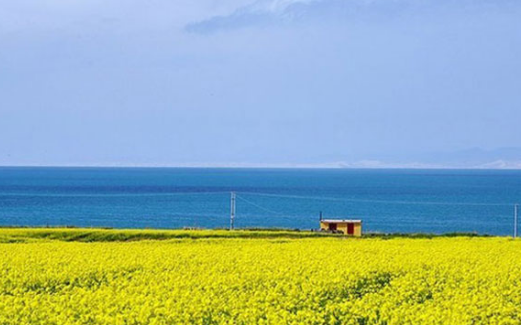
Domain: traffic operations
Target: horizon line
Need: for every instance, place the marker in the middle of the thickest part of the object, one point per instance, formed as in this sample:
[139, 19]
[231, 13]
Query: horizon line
[266, 166]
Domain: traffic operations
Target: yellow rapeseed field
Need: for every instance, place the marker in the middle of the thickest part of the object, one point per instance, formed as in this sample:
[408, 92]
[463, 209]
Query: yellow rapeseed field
[261, 281]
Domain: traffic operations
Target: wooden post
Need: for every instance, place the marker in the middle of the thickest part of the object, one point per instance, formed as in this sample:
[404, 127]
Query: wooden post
[232, 209]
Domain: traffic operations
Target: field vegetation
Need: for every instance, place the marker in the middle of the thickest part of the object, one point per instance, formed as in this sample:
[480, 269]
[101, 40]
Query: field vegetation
[89, 276]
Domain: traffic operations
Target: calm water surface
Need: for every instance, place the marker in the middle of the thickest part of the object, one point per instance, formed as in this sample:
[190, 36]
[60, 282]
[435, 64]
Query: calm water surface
[386, 200]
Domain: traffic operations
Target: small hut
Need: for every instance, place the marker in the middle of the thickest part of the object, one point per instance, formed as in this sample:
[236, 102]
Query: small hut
[347, 227]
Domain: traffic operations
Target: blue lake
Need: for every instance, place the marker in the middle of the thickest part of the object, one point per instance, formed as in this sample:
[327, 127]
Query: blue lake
[435, 201]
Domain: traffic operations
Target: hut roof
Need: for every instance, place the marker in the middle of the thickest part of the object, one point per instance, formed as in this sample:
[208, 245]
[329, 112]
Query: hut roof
[340, 221]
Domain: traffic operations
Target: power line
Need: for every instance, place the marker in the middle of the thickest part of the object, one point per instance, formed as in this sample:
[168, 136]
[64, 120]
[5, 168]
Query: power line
[318, 198]
[324, 198]
[111, 194]
[283, 215]
[258, 206]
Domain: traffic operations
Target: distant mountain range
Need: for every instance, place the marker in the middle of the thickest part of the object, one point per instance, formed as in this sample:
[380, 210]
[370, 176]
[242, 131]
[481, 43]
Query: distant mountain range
[502, 158]
[474, 158]
[265, 12]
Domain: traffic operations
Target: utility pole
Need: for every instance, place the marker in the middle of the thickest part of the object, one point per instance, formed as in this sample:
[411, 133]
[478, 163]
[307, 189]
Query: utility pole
[516, 208]
[232, 209]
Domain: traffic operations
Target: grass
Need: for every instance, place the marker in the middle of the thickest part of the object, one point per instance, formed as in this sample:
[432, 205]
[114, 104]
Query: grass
[421, 235]
[16, 235]
[8, 235]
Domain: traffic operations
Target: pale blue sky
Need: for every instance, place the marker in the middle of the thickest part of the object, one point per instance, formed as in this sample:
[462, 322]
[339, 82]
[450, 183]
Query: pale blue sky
[288, 82]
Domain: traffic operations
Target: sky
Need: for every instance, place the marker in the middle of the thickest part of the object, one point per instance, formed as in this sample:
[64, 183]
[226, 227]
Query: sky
[331, 83]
